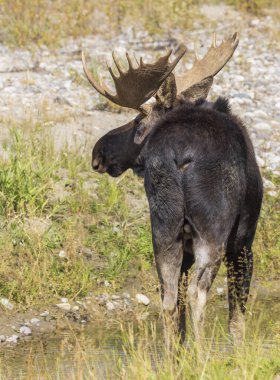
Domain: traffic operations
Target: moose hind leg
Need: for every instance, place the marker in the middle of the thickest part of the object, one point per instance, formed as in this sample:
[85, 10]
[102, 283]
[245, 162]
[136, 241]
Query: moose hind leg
[239, 273]
[207, 263]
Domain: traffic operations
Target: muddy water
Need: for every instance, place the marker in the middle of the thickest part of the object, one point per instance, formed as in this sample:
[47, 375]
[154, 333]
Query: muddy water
[98, 346]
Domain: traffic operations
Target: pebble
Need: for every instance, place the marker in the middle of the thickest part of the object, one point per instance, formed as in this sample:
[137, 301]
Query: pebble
[12, 339]
[272, 193]
[254, 22]
[126, 295]
[64, 300]
[115, 297]
[35, 321]
[110, 306]
[260, 161]
[6, 303]
[75, 308]
[62, 254]
[141, 298]
[2, 338]
[25, 331]
[45, 314]
[220, 291]
[262, 126]
[268, 184]
[64, 306]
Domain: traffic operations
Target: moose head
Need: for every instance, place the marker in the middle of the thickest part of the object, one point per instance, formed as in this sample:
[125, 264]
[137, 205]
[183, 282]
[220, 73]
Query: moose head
[118, 150]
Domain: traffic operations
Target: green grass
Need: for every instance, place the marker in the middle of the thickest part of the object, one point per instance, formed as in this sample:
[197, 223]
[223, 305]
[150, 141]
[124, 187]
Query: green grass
[41, 22]
[89, 211]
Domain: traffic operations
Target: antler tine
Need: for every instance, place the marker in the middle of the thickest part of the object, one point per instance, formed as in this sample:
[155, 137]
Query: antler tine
[213, 61]
[102, 89]
[136, 85]
[116, 63]
[214, 40]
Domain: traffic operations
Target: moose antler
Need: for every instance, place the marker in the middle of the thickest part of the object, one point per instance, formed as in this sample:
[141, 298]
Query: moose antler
[214, 60]
[135, 86]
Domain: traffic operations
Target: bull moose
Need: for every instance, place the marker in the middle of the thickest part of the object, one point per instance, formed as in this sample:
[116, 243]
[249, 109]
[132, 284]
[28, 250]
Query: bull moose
[200, 173]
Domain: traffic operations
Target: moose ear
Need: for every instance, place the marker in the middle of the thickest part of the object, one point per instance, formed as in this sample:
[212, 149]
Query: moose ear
[197, 91]
[143, 127]
[167, 92]
[141, 133]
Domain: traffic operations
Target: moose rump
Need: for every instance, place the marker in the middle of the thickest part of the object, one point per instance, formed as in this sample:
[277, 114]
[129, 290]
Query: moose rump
[204, 204]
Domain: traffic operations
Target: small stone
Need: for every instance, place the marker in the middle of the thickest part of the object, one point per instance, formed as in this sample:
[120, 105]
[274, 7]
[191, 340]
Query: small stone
[45, 314]
[12, 339]
[62, 254]
[64, 306]
[260, 161]
[110, 306]
[64, 300]
[268, 184]
[35, 321]
[6, 303]
[272, 193]
[2, 338]
[220, 291]
[127, 302]
[141, 298]
[75, 308]
[106, 283]
[126, 295]
[262, 126]
[115, 297]
[254, 22]
[25, 331]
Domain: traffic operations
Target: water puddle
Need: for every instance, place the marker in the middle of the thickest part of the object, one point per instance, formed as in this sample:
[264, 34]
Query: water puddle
[100, 346]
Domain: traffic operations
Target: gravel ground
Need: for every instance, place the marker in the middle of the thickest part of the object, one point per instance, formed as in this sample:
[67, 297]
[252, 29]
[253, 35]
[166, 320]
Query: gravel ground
[44, 83]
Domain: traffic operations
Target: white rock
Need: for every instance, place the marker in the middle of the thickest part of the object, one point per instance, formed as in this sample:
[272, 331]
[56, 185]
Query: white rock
[141, 298]
[75, 308]
[254, 22]
[12, 339]
[115, 297]
[64, 306]
[106, 283]
[272, 193]
[62, 254]
[220, 291]
[45, 313]
[64, 300]
[260, 113]
[263, 126]
[126, 295]
[110, 306]
[25, 331]
[2, 338]
[260, 161]
[35, 321]
[268, 184]
[6, 303]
